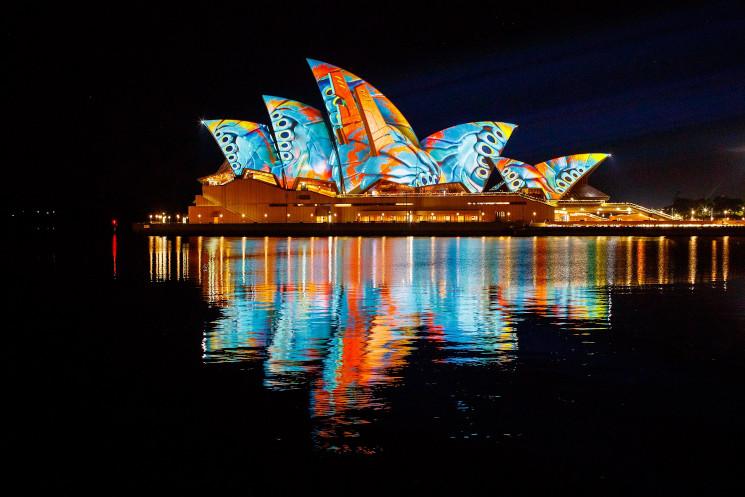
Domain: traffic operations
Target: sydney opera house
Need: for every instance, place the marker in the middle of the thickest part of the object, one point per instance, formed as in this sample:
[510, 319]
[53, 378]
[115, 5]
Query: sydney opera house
[361, 161]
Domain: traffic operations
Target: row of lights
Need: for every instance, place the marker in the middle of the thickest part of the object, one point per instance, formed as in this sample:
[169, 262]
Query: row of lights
[710, 211]
[166, 218]
[163, 218]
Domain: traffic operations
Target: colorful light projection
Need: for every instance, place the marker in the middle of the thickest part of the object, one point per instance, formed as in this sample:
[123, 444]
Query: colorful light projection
[303, 141]
[374, 140]
[555, 177]
[391, 115]
[246, 145]
[466, 152]
[518, 175]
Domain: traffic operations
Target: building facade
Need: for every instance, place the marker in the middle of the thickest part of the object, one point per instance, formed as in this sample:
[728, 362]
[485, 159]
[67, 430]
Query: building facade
[253, 201]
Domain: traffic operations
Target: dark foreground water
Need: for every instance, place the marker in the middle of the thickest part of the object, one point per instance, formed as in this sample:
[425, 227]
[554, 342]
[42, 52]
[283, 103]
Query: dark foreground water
[611, 365]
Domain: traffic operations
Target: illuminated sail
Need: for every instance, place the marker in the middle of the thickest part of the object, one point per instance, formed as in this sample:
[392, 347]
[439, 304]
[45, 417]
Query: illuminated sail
[555, 177]
[563, 172]
[303, 142]
[466, 152]
[391, 115]
[518, 175]
[246, 145]
[374, 141]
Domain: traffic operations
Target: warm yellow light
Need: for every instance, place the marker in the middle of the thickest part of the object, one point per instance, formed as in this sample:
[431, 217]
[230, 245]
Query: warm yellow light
[243, 215]
[265, 214]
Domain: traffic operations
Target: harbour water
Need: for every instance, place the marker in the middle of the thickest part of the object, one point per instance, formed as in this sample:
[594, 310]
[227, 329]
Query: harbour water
[521, 365]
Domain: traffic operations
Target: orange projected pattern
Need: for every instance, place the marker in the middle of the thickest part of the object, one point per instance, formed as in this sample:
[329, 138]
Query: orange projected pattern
[372, 145]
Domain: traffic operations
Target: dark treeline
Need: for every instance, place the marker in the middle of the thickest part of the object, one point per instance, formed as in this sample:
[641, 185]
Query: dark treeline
[715, 207]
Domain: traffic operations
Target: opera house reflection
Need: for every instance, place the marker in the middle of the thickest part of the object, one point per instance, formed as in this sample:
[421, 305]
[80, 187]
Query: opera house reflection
[343, 317]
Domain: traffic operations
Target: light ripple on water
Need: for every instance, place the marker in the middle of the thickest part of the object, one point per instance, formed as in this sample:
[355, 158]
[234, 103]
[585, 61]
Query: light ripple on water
[346, 318]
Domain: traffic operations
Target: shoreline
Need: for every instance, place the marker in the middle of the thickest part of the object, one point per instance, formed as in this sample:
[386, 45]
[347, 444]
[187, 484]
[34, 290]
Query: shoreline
[425, 229]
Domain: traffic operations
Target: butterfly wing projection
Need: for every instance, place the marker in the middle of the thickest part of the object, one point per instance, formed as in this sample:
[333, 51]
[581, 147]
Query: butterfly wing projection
[518, 175]
[246, 145]
[555, 177]
[346, 125]
[371, 138]
[391, 115]
[303, 142]
[466, 152]
[563, 172]
[402, 162]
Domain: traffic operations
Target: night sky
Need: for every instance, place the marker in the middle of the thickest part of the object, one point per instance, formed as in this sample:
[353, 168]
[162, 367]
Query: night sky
[104, 109]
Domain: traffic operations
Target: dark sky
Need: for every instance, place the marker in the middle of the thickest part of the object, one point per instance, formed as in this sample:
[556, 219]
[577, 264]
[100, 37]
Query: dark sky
[104, 106]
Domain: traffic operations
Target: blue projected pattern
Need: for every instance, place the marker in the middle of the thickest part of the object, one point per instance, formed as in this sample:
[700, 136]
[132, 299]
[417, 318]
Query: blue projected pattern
[246, 145]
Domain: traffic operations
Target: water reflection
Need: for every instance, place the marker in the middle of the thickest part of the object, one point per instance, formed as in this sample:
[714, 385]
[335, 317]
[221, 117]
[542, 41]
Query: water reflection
[167, 258]
[344, 317]
[113, 254]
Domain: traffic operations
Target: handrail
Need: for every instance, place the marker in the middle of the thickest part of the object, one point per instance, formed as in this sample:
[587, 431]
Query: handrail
[610, 205]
